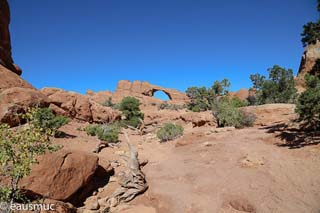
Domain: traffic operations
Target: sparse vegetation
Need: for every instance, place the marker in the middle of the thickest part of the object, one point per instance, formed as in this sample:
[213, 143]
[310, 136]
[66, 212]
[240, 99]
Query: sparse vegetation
[19, 148]
[44, 119]
[169, 132]
[109, 103]
[202, 98]
[279, 88]
[105, 132]
[131, 110]
[308, 106]
[166, 105]
[227, 113]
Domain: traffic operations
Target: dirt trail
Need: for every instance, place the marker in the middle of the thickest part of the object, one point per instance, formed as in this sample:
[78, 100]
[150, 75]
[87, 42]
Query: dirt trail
[234, 171]
[242, 170]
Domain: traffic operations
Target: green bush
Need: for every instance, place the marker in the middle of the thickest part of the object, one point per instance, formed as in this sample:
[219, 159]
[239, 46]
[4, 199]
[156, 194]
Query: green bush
[92, 129]
[169, 132]
[237, 102]
[308, 106]
[279, 88]
[45, 119]
[202, 98]
[19, 148]
[131, 110]
[227, 113]
[105, 132]
[311, 33]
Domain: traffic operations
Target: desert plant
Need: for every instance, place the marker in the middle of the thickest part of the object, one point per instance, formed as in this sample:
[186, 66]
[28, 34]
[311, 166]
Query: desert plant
[19, 148]
[109, 103]
[202, 98]
[247, 119]
[169, 132]
[92, 129]
[105, 132]
[166, 105]
[237, 102]
[44, 119]
[131, 110]
[279, 88]
[308, 106]
[225, 113]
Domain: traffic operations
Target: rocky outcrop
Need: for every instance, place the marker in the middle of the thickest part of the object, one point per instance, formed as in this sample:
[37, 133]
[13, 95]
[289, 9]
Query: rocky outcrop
[308, 60]
[270, 114]
[79, 106]
[61, 175]
[16, 100]
[99, 97]
[242, 94]
[145, 91]
[9, 79]
[5, 42]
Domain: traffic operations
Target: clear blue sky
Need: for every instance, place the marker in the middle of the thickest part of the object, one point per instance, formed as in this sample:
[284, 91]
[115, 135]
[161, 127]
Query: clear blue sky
[92, 44]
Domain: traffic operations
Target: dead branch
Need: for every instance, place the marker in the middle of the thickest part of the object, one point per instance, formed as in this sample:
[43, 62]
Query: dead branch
[132, 182]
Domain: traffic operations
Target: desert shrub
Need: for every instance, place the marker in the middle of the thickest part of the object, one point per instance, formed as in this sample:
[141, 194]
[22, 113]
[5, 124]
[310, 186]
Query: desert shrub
[247, 119]
[308, 106]
[19, 149]
[131, 110]
[92, 129]
[279, 88]
[225, 113]
[105, 132]
[169, 132]
[202, 98]
[44, 119]
[109, 133]
[237, 102]
[166, 105]
[252, 100]
[109, 103]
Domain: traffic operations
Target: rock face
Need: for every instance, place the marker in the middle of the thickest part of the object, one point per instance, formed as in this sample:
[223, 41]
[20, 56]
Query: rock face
[9, 79]
[5, 42]
[270, 114]
[61, 175]
[308, 60]
[17, 100]
[79, 106]
[242, 94]
[145, 91]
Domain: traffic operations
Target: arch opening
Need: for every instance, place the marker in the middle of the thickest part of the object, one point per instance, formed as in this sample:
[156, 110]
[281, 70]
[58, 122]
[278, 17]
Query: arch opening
[162, 95]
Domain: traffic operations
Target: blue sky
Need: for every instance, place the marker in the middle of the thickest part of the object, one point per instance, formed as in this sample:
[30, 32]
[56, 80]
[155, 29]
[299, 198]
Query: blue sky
[92, 44]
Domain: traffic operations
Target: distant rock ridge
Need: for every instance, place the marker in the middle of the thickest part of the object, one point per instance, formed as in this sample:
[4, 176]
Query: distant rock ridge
[5, 41]
[144, 91]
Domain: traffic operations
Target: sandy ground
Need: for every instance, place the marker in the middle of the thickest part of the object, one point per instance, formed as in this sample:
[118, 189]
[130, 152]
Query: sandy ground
[233, 171]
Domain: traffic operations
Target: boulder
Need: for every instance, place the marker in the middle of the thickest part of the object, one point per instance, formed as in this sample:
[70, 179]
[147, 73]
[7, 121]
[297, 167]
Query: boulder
[99, 97]
[17, 100]
[79, 106]
[242, 94]
[102, 114]
[61, 175]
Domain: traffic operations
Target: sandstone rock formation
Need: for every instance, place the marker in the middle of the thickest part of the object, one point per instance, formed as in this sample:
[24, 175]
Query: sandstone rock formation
[79, 106]
[9, 79]
[17, 100]
[5, 42]
[308, 60]
[270, 114]
[61, 175]
[242, 94]
[145, 91]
